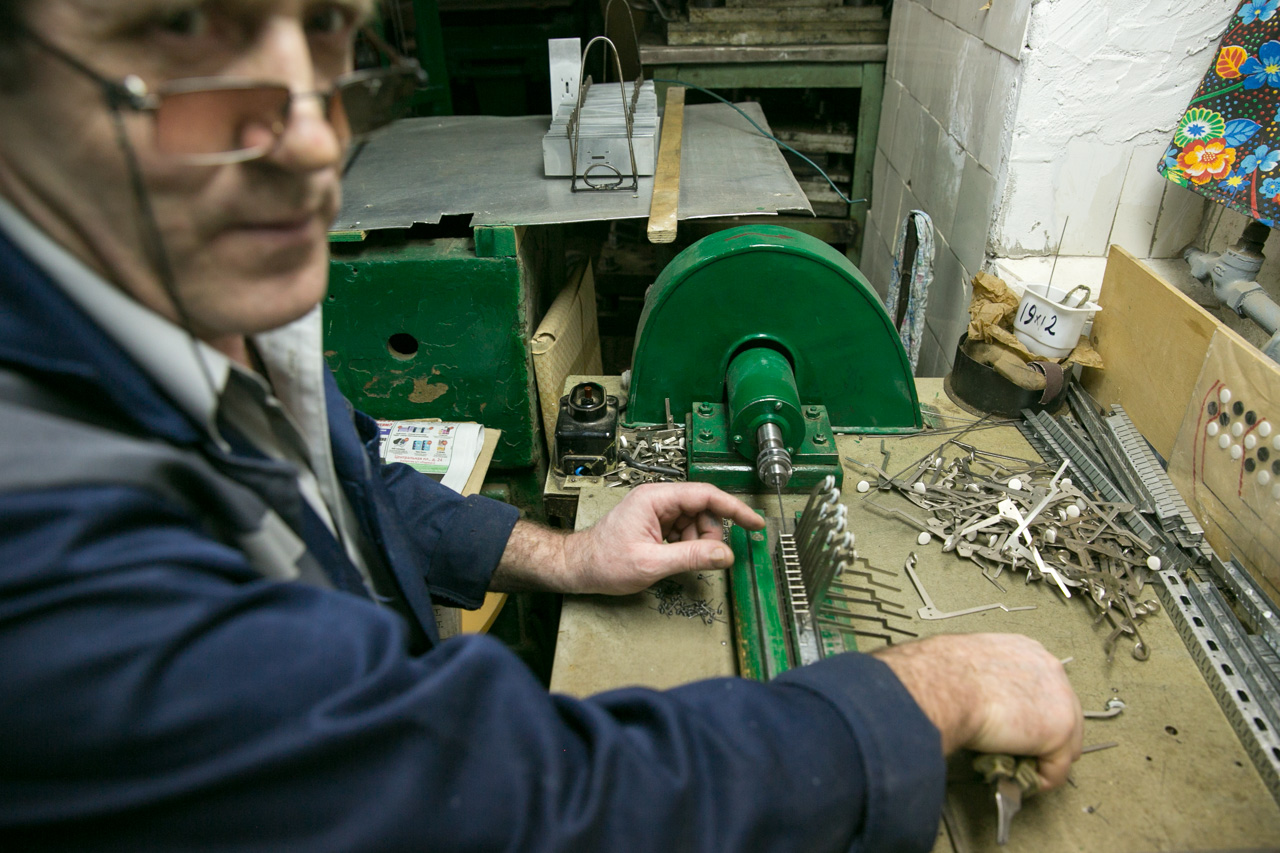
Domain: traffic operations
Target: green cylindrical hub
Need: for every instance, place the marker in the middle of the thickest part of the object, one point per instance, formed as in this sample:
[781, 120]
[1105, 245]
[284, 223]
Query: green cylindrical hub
[762, 389]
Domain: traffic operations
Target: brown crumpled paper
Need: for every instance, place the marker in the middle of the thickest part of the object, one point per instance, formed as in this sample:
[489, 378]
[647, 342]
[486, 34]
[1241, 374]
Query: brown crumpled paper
[991, 313]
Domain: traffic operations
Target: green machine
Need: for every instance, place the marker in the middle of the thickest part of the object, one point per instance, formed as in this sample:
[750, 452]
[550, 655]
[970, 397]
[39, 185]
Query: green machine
[769, 342]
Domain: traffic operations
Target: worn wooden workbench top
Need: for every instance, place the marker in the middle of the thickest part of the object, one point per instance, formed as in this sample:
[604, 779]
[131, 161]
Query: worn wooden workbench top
[1178, 778]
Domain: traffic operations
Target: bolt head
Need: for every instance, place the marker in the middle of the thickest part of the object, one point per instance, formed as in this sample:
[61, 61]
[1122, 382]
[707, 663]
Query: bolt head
[737, 439]
[811, 412]
[704, 409]
[819, 439]
[704, 435]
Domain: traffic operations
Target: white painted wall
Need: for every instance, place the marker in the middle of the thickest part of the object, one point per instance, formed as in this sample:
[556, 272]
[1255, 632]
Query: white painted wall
[1005, 125]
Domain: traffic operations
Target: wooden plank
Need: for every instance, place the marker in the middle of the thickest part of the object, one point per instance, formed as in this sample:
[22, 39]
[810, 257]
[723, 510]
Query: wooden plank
[662, 54]
[1152, 339]
[862, 32]
[756, 4]
[784, 14]
[797, 75]
[666, 175]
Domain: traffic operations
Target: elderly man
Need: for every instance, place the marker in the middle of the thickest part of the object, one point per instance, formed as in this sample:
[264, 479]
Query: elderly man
[215, 602]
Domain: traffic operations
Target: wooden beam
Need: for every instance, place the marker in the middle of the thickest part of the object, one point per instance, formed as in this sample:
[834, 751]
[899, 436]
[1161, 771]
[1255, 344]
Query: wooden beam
[666, 177]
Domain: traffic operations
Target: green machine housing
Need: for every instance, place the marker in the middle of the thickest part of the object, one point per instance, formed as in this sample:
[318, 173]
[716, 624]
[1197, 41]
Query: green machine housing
[765, 327]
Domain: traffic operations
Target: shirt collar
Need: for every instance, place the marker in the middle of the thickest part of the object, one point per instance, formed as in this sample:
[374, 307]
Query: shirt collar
[167, 353]
[172, 356]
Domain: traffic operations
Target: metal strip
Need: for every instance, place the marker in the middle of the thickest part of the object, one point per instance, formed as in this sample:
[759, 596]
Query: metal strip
[1170, 555]
[1227, 685]
[1152, 472]
[808, 645]
[1125, 478]
[1218, 618]
[1260, 613]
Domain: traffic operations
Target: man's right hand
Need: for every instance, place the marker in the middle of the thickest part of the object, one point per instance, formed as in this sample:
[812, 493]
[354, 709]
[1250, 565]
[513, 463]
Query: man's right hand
[999, 693]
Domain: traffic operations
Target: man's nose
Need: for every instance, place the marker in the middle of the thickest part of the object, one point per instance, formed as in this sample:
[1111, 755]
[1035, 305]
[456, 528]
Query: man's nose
[307, 140]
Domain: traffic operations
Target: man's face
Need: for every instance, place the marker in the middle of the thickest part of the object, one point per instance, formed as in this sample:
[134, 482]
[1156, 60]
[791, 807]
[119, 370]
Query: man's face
[246, 241]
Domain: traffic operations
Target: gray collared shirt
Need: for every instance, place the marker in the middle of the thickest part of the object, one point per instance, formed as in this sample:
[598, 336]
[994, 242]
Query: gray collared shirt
[283, 414]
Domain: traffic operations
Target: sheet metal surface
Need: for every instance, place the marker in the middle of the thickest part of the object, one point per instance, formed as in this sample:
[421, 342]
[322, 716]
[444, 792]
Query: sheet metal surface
[420, 170]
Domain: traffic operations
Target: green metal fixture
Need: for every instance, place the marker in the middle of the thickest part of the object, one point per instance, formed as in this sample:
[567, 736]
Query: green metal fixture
[772, 341]
[765, 633]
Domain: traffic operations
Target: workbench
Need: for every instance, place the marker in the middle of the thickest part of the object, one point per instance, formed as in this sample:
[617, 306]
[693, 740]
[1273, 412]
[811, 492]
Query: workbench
[1178, 778]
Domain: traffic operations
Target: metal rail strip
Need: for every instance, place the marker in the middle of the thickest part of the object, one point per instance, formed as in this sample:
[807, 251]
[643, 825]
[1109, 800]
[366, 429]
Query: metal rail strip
[1104, 440]
[1169, 553]
[1258, 610]
[1169, 501]
[1228, 686]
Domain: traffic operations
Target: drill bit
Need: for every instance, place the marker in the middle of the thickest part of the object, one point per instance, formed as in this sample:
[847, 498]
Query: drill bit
[782, 513]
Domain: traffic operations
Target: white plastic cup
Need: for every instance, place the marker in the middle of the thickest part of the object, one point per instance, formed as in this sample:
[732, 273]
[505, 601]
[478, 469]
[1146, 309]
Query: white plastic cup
[1048, 323]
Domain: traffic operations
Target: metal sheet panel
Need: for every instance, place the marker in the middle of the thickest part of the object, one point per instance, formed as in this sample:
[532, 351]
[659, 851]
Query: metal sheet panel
[420, 170]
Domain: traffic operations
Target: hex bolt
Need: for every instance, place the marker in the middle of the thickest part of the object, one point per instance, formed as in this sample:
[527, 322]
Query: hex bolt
[811, 412]
[704, 409]
[737, 439]
[819, 439]
[704, 435]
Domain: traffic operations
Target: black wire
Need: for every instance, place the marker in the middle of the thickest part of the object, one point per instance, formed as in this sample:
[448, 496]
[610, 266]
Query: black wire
[768, 135]
[154, 245]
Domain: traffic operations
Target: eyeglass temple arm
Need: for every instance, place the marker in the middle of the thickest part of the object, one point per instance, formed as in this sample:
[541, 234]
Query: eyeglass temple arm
[117, 93]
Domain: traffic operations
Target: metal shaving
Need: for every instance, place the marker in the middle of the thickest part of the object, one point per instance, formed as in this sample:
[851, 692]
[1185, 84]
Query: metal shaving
[672, 601]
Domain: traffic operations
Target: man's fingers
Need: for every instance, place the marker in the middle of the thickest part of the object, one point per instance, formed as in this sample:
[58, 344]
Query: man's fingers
[675, 499]
[1053, 768]
[697, 555]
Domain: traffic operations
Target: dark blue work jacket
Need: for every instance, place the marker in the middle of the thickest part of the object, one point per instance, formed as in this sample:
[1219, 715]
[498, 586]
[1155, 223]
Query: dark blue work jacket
[159, 693]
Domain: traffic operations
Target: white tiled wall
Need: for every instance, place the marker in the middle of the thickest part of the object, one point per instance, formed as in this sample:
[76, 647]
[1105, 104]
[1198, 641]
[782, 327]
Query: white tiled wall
[952, 66]
[1032, 128]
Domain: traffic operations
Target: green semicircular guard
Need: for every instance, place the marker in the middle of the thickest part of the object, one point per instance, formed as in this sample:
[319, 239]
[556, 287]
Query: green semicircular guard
[770, 286]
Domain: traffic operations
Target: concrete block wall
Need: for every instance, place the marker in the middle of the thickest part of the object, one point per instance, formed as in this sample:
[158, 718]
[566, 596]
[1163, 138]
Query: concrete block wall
[950, 90]
[1005, 124]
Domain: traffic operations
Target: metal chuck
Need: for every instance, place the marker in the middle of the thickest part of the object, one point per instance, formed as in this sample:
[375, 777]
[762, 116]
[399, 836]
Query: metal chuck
[773, 462]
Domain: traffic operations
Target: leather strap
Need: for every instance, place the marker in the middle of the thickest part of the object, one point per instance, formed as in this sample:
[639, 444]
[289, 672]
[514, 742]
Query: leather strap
[1055, 378]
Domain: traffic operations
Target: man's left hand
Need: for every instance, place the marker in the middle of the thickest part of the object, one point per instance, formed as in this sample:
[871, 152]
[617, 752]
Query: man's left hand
[659, 529]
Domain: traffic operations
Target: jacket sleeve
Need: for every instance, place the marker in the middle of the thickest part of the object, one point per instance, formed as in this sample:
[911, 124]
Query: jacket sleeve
[459, 540]
[159, 695]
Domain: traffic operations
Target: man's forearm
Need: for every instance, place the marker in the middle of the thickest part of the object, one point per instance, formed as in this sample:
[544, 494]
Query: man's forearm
[534, 560]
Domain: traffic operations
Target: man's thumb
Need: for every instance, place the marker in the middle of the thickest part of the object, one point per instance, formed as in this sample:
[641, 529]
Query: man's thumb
[702, 555]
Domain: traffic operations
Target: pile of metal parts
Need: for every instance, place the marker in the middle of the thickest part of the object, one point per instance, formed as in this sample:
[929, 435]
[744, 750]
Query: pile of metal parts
[819, 565]
[1017, 515]
[1109, 458]
[673, 601]
[1099, 520]
[649, 454]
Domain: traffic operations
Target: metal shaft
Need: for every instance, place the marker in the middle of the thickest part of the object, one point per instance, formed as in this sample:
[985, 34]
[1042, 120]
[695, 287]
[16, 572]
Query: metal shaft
[773, 462]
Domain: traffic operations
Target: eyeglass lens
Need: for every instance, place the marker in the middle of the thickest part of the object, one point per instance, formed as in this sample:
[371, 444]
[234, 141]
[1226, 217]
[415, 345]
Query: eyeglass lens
[248, 120]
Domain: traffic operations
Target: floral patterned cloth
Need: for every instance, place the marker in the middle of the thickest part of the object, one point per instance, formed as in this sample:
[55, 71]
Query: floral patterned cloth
[1227, 145]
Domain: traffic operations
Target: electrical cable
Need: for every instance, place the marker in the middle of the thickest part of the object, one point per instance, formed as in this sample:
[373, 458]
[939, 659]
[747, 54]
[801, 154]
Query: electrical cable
[154, 245]
[767, 135]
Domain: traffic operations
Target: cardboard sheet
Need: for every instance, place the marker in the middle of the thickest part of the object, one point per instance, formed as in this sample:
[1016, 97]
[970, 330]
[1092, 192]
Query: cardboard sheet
[1226, 459]
[566, 342]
